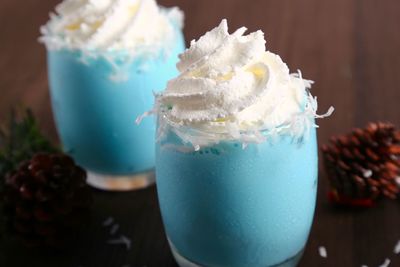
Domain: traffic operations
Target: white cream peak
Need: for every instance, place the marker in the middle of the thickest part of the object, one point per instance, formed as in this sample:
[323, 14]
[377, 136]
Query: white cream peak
[231, 88]
[111, 25]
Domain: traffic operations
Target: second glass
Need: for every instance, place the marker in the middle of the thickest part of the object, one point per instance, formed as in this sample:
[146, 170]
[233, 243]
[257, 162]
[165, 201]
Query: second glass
[105, 61]
[95, 115]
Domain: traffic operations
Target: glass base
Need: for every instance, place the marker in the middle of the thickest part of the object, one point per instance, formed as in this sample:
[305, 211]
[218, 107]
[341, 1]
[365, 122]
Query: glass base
[121, 182]
[184, 262]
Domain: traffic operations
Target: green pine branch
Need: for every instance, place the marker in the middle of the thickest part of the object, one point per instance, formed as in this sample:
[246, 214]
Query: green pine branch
[20, 139]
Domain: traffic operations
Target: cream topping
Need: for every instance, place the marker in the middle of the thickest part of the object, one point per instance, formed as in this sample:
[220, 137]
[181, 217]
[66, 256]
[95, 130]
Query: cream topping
[111, 25]
[231, 88]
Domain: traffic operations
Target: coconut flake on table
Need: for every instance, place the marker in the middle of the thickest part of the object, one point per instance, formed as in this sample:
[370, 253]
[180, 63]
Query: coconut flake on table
[386, 263]
[107, 222]
[122, 240]
[114, 229]
[396, 249]
[322, 252]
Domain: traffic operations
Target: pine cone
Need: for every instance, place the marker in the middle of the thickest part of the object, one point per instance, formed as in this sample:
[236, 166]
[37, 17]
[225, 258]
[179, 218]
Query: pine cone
[46, 199]
[364, 165]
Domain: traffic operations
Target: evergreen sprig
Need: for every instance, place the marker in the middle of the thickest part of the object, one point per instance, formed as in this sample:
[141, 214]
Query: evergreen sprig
[20, 139]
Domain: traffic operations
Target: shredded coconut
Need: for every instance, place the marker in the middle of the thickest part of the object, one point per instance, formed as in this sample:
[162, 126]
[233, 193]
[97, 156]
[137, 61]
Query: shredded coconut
[122, 240]
[386, 263]
[114, 229]
[118, 31]
[107, 222]
[231, 88]
[396, 249]
[322, 252]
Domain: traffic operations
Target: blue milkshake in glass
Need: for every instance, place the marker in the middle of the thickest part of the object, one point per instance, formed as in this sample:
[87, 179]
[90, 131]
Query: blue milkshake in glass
[106, 58]
[236, 155]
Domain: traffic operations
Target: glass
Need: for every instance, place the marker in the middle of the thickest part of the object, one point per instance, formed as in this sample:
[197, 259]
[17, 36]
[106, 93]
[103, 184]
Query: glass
[229, 206]
[95, 111]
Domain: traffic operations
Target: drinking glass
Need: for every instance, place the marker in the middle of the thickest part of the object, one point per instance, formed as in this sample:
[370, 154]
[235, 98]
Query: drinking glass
[227, 205]
[95, 108]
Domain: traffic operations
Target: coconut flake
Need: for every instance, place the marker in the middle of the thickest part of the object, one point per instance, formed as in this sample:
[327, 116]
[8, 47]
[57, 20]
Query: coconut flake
[322, 252]
[122, 240]
[396, 249]
[386, 263]
[114, 229]
[107, 222]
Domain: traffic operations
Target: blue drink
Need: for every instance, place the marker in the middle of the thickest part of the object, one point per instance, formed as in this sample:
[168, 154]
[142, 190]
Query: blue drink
[227, 206]
[95, 115]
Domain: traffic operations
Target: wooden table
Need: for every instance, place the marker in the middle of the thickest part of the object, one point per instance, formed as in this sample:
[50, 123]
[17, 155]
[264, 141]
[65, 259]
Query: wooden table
[349, 47]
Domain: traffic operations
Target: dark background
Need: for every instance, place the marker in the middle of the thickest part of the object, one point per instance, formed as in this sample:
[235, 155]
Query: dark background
[351, 48]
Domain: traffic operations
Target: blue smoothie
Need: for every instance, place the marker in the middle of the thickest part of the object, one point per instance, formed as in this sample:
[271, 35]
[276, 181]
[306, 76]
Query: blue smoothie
[95, 115]
[227, 206]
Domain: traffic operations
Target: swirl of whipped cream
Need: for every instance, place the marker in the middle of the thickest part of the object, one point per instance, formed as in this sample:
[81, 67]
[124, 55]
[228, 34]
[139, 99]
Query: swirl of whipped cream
[111, 25]
[231, 88]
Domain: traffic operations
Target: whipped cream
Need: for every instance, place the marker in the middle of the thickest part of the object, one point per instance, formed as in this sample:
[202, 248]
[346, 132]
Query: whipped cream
[135, 27]
[231, 88]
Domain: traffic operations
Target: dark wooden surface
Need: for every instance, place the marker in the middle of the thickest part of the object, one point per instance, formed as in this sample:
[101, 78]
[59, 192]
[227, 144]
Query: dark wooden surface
[349, 47]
